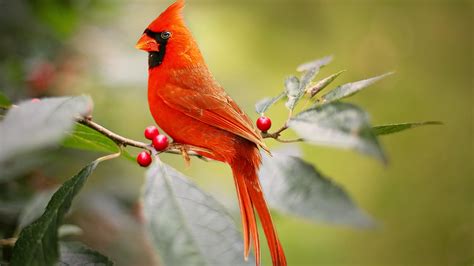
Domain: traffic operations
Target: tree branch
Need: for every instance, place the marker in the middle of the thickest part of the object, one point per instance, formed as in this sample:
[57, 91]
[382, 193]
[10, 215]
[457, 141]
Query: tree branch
[122, 141]
[174, 148]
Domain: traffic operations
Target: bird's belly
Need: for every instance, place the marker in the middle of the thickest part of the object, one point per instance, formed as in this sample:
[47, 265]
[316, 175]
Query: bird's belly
[187, 130]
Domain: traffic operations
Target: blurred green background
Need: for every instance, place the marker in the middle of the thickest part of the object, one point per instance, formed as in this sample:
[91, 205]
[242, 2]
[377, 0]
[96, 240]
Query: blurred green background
[423, 199]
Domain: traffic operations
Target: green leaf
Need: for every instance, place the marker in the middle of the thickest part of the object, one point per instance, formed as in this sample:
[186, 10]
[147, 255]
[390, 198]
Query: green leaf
[292, 90]
[318, 63]
[307, 77]
[32, 127]
[86, 138]
[37, 243]
[394, 128]
[323, 83]
[349, 89]
[186, 225]
[4, 101]
[74, 253]
[295, 88]
[296, 187]
[340, 125]
[262, 106]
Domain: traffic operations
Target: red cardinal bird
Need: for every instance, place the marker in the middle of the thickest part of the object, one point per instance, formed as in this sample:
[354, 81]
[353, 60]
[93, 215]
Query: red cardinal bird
[192, 108]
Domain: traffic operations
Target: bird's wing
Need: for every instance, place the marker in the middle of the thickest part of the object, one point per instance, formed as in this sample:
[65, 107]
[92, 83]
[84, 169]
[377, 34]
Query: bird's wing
[213, 107]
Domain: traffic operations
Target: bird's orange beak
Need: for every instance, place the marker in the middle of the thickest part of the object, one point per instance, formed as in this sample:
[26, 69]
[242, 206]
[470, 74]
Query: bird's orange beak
[148, 44]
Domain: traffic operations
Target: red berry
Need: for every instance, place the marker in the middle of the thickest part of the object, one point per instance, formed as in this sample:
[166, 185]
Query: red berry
[160, 142]
[264, 123]
[144, 159]
[35, 100]
[151, 132]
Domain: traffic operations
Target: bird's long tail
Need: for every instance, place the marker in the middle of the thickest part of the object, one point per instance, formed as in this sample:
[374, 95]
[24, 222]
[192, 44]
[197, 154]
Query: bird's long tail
[251, 197]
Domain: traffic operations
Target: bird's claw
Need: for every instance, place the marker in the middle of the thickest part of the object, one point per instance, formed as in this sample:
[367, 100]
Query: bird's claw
[185, 154]
[184, 150]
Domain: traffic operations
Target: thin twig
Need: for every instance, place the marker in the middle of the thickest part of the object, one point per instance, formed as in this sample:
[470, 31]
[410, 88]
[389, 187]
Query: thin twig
[289, 140]
[276, 134]
[113, 136]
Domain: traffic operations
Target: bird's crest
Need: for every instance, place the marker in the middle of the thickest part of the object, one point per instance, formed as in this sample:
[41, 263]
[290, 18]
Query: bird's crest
[170, 18]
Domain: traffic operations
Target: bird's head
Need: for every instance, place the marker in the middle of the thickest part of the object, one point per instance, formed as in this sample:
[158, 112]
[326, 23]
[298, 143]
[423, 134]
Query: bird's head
[168, 40]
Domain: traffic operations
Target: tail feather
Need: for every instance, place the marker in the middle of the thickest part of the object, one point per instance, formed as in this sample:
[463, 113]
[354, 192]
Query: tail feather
[259, 203]
[251, 197]
[249, 223]
[245, 221]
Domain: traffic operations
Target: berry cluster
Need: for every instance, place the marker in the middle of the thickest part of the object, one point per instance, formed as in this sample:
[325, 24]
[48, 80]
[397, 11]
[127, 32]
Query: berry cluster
[160, 142]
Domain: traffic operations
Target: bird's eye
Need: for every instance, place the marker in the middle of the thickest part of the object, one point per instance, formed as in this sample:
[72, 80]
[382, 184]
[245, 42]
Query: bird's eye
[165, 35]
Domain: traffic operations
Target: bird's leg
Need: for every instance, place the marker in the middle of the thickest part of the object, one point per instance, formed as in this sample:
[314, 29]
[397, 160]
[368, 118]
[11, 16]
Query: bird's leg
[185, 154]
[187, 151]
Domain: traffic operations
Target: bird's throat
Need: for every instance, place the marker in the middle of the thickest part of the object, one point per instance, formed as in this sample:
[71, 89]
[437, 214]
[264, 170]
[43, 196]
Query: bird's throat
[155, 59]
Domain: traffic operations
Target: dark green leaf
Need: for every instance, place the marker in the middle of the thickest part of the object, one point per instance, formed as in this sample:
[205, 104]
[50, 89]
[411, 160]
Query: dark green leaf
[394, 128]
[314, 64]
[349, 89]
[186, 225]
[295, 187]
[338, 124]
[74, 253]
[34, 208]
[32, 127]
[37, 243]
[262, 106]
[323, 83]
[4, 101]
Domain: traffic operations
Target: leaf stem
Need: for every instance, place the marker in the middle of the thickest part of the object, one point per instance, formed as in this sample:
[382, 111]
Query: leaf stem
[110, 156]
